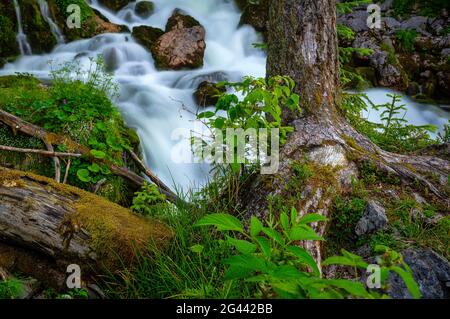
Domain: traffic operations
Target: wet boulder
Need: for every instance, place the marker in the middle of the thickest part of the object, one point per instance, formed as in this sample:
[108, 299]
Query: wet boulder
[256, 15]
[147, 36]
[179, 20]
[114, 5]
[180, 49]
[207, 93]
[144, 9]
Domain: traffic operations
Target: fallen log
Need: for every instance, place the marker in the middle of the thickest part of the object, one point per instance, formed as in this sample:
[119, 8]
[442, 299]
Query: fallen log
[63, 225]
[36, 151]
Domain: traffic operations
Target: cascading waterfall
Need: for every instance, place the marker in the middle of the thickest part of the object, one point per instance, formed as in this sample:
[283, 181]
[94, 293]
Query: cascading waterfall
[24, 45]
[56, 31]
[153, 102]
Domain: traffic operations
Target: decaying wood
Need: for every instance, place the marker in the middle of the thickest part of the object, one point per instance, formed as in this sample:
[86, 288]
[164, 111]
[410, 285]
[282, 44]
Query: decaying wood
[50, 139]
[59, 222]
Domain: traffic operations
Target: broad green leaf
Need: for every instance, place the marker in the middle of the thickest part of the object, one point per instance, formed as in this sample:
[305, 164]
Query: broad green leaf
[294, 215]
[409, 281]
[273, 234]
[264, 245]
[312, 218]
[303, 232]
[94, 168]
[255, 226]
[83, 175]
[354, 288]
[284, 221]
[243, 246]
[247, 262]
[223, 222]
[197, 249]
[305, 257]
[98, 154]
[338, 260]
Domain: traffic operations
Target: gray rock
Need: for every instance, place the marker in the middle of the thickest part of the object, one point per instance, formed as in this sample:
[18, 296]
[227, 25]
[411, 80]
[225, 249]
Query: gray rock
[373, 220]
[416, 23]
[430, 271]
[445, 53]
[357, 21]
[391, 25]
[386, 5]
[388, 75]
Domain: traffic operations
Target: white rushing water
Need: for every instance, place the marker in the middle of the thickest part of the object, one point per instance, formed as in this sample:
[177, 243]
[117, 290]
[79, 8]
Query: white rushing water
[156, 103]
[153, 102]
[45, 11]
[416, 113]
[24, 45]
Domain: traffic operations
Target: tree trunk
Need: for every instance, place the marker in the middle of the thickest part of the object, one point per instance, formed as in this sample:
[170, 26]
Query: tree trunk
[302, 44]
[47, 225]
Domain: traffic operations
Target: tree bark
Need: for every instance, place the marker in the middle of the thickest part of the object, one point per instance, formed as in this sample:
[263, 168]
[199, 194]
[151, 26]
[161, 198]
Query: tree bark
[302, 44]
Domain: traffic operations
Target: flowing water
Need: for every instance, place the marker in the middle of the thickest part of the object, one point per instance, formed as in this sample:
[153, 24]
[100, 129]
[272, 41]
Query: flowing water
[24, 46]
[153, 102]
[45, 11]
[416, 113]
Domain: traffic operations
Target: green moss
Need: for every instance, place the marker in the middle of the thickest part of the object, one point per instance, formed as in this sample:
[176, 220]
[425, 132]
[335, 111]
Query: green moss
[38, 31]
[9, 47]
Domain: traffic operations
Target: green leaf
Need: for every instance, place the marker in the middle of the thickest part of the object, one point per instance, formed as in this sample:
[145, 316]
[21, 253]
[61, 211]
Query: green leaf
[338, 260]
[94, 168]
[294, 215]
[243, 246]
[255, 226]
[312, 218]
[98, 154]
[284, 221]
[101, 126]
[303, 232]
[223, 222]
[305, 257]
[264, 245]
[197, 249]
[83, 175]
[273, 234]
[207, 114]
[249, 262]
[409, 281]
[354, 288]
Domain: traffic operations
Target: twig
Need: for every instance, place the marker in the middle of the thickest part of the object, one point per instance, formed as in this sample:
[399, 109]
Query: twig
[66, 175]
[37, 151]
[149, 173]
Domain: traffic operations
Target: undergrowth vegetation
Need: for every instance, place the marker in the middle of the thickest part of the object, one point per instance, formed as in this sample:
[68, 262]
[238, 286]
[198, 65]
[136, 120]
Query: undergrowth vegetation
[79, 105]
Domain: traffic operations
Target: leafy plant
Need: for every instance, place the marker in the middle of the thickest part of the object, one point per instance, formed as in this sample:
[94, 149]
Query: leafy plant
[406, 39]
[445, 135]
[11, 288]
[148, 200]
[269, 257]
[254, 104]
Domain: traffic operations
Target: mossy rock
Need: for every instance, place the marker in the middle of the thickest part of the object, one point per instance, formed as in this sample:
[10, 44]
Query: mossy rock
[146, 35]
[144, 9]
[9, 47]
[92, 22]
[114, 5]
[179, 20]
[207, 93]
[36, 28]
[256, 15]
